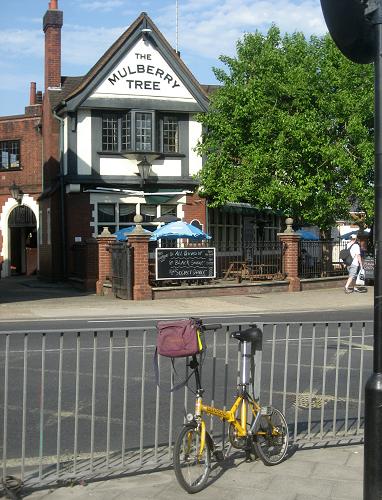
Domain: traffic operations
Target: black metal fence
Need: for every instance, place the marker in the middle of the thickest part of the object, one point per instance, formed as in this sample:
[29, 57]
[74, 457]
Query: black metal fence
[319, 259]
[254, 261]
[260, 261]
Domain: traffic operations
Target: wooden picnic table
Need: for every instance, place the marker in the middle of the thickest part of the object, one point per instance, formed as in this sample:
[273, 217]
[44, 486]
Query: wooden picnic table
[237, 269]
[243, 270]
[265, 271]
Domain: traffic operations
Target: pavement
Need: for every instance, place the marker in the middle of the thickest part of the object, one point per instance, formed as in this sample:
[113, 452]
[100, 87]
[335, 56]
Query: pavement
[327, 472]
[28, 298]
[322, 473]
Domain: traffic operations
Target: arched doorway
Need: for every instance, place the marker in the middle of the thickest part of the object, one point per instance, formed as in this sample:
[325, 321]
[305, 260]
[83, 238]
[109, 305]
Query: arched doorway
[22, 241]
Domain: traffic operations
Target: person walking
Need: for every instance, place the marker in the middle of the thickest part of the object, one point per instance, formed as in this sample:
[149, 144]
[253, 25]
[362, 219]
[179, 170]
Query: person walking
[356, 264]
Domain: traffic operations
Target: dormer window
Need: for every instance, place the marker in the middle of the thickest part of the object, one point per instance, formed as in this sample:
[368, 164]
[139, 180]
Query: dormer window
[140, 131]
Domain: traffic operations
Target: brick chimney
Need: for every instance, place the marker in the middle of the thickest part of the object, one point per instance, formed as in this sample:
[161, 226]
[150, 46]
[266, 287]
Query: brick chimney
[52, 25]
[32, 94]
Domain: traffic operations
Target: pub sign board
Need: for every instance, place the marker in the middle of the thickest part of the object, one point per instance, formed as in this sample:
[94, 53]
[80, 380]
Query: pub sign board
[185, 263]
[143, 72]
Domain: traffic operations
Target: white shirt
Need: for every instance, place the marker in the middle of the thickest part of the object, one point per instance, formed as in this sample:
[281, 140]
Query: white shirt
[354, 251]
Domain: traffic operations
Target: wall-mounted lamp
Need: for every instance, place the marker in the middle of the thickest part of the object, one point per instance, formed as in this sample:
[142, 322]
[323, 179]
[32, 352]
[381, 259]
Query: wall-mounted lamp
[144, 162]
[144, 167]
[16, 192]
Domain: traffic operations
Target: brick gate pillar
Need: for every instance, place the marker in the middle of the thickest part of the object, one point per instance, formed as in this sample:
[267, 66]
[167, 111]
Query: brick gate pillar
[105, 239]
[139, 240]
[290, 239]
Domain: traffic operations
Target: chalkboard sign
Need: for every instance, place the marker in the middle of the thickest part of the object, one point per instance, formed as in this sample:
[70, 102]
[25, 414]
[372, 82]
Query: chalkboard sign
[368, 265]
[184, 263]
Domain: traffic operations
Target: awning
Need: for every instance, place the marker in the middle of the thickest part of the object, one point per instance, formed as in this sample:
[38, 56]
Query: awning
[156, 197]
[162, 196]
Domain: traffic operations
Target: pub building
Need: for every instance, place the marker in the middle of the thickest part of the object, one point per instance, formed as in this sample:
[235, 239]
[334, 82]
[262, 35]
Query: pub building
[93, 151]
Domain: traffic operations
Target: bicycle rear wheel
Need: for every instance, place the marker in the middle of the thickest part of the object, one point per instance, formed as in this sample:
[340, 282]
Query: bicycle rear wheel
[271, 436]
[192, 468]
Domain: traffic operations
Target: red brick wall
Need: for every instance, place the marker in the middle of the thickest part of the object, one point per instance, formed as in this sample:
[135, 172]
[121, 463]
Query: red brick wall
[78, 217]
[51, 256]
[195, 208]
[51, 138]
[92, 260]
[26, 130]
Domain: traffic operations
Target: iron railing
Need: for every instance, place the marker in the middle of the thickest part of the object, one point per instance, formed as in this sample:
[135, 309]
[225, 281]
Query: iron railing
[255, 261]
[315, 373]
[79, 404]
[319, 259]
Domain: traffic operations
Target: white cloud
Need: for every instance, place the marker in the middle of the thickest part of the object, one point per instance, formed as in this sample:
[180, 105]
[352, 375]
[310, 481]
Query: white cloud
[207, 29]
[83, 46]
[19, 83]
[105, 6]
[15, 43]
[212, 27]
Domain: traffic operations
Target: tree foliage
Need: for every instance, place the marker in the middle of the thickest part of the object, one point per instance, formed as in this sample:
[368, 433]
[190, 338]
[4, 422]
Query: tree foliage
[290, 128]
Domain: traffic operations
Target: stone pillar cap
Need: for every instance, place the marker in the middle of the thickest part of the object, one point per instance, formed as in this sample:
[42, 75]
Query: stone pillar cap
[105, 232]
[138, 230]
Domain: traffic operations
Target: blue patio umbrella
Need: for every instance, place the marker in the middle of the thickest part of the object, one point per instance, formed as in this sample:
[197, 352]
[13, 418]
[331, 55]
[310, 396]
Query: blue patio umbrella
[122, 234]
[179, 229]
[307, 235]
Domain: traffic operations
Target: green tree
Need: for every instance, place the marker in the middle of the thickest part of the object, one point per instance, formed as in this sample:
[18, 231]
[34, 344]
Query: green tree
[290, 128]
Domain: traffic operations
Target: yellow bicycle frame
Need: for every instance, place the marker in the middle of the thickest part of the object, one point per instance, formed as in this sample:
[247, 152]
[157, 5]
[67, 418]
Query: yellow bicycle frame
[227, 415]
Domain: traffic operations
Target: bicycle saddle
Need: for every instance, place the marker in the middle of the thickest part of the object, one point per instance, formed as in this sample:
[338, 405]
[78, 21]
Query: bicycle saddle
[251, 334]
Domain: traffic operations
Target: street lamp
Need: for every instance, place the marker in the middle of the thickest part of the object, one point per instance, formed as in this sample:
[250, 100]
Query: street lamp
[16, 192]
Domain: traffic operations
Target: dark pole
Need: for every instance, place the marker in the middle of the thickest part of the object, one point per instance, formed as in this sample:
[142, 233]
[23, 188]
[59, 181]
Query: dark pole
[373, 390]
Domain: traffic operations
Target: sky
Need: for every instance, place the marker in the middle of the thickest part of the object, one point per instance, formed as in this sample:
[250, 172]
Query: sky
[206, 30]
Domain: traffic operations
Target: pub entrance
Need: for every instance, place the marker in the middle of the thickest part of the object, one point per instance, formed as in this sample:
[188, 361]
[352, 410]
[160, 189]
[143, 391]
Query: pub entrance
[23, 241]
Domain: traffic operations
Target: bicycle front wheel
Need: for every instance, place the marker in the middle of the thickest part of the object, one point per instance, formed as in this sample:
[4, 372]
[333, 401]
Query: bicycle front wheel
[271, 436]
[191, 464]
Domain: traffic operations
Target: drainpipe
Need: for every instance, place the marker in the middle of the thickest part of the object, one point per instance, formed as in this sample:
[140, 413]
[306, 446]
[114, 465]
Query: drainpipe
[62, 201]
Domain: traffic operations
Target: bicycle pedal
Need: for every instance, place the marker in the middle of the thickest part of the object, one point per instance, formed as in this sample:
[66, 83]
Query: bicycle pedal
[219, 455]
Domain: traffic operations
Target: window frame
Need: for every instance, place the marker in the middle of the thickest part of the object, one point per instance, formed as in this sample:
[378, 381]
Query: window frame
[162, 132]
[18, 155]
[157, 131]
[117, 224]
